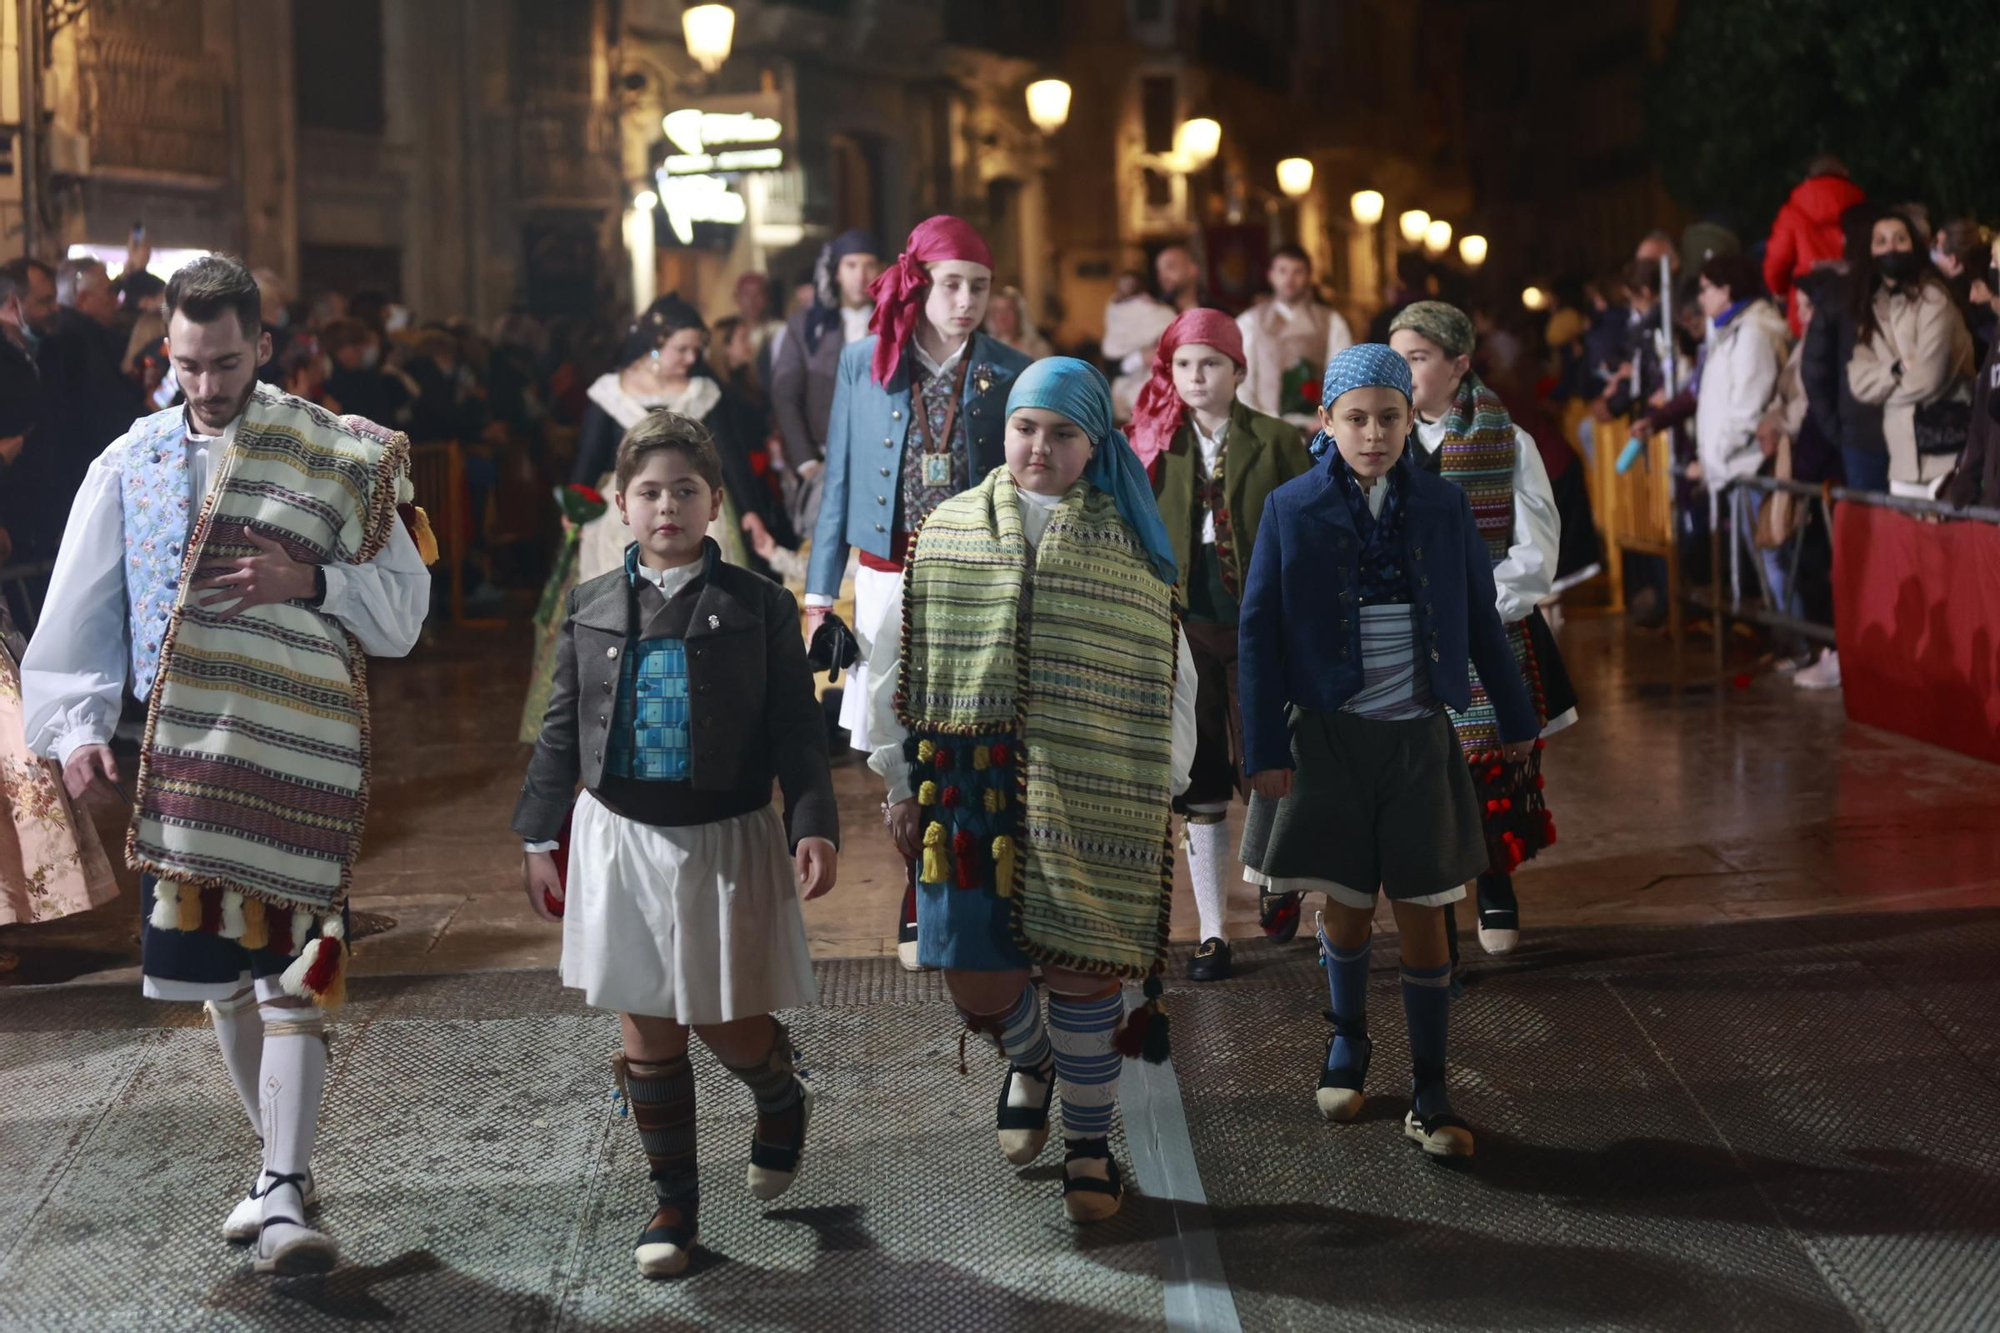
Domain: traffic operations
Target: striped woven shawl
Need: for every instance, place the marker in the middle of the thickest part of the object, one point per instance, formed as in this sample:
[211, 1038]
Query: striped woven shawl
[1071, 656]
[253, 779]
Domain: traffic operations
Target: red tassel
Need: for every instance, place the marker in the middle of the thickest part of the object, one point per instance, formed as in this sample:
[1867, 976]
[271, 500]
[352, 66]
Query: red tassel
[1002, 754]
[1541, 744]
[964, 848]
[1492, 807]
[952, 796]
[1539, 783]
[1506, 803]
[1130, 1039]
[278, 925]
[325, 965]
[943, 758]
[211, 912]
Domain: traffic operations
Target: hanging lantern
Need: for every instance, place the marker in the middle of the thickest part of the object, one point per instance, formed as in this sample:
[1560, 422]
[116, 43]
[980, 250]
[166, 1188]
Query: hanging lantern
[1413, 225]
[1472, 249]
[1295, 177]
[1366, 205]
[709, 29]
[1197, 141]
[1437, 236]
[1048, 104]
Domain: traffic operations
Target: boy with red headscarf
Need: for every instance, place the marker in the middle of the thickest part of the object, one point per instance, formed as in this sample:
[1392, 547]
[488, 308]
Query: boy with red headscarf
[919, 410]
[1213, 460]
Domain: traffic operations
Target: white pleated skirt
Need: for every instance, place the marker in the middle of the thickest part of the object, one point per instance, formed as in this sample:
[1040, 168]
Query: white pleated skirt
[878, 632]
[700, 924]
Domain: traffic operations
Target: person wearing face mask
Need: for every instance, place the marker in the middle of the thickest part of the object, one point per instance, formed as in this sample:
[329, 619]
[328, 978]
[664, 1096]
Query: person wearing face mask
[356, 380]
[1370, 600]
[1213, 461]
[1976, 480]
[1040, 725]
[805, 363]
[917, 417]
[1913, 356]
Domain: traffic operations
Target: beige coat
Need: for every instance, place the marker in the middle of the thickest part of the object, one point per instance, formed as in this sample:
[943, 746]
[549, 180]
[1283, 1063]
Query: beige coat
[1921, 352]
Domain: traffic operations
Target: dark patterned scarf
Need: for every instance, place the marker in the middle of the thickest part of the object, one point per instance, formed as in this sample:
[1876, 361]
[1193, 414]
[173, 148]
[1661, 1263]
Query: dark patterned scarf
[1384, 579]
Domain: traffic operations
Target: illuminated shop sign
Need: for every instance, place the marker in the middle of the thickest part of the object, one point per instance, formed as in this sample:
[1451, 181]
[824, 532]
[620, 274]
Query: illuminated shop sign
[711, 141]
[691, 199]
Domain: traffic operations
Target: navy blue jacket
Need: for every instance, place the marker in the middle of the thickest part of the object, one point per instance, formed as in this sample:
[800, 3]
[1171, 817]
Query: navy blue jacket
[1299, 634]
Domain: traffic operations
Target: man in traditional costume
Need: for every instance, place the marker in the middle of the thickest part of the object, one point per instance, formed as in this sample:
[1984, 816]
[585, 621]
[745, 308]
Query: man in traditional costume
[1287, 342]
[805, 362]
[917, 417]
[233, 562]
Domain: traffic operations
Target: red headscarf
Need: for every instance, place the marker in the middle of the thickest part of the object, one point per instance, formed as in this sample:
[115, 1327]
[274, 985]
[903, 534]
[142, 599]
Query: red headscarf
[1159, 411]
[899, 290]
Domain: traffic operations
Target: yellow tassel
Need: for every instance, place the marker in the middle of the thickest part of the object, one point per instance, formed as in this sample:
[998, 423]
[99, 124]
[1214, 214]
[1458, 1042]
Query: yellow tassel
[935, 870]
[1003, 866]
[256, 931]
[425, 538]
[926, 751]
[190, 908]
[982, 759]
[927, 794]
[995, 800]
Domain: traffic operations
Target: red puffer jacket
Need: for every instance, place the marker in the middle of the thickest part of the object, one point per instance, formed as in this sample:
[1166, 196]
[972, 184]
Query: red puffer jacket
[1806, 232]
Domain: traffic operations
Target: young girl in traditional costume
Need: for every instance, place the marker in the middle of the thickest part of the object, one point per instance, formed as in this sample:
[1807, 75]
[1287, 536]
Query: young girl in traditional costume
[1213, 461]
[917, 414]
[1464, 434]
[681, 691]
[1370, 594]
[1042, 724]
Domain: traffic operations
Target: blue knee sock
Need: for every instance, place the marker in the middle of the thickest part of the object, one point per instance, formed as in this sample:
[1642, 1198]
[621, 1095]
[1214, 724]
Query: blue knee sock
[1427, 1007]
[1023, 1035]
[1347, 990]
[1087, 1064]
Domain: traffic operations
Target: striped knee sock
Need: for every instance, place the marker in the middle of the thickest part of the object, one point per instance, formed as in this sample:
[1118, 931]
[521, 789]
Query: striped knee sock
[1347, 991]
[1087, 1065]
[771, 1080]
[1023, 1034]
[1427, 1007]
[661, 1095]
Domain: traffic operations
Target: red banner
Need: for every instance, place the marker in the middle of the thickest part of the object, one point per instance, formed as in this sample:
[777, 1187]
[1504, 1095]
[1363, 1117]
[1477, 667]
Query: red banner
[1917, 611]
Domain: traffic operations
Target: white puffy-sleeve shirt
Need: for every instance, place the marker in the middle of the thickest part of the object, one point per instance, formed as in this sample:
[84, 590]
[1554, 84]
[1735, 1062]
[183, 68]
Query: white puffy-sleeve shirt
[73, 674]
[1528, 574]
[892, 767]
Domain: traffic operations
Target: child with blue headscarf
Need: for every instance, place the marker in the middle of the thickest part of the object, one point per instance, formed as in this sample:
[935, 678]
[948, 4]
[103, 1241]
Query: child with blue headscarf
[1370, 591]
[1042, 724]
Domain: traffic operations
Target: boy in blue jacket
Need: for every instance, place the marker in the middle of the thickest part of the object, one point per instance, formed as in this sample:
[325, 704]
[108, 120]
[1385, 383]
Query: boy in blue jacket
[1369, 591]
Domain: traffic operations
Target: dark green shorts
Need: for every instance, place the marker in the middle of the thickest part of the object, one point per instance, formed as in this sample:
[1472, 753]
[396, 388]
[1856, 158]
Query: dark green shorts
[1374, 805]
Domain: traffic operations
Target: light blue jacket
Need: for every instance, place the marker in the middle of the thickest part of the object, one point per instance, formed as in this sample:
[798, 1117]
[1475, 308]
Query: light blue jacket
[864, 448]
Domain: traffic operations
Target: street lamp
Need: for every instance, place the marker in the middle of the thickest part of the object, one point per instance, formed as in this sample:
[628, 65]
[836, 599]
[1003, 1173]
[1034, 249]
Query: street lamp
[1366, 205]
[1295, 177]
[1437, 237]
[645, 201]
[1196, 142]
[1534, 298]
[709, 29]
[1048, 104]
[1414, 224]
[1472, 249]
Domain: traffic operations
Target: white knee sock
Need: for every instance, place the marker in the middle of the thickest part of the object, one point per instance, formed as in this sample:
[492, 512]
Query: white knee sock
[294, 1081]
[239, 1030]
[1209, 861]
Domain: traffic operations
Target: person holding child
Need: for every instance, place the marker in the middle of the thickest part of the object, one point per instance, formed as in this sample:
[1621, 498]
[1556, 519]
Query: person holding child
[1369, 600]
[681, 690]
[1041, 724]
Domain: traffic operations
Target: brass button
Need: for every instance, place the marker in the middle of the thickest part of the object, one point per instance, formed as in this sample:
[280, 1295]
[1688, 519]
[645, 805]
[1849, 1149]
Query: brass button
[881, 499]
[1434, 654]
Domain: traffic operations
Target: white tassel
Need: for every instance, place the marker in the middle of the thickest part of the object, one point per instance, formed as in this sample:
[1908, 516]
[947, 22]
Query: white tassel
[166, 905]
[331, 927]
[301, 923]
[294, 978]
[232, 915]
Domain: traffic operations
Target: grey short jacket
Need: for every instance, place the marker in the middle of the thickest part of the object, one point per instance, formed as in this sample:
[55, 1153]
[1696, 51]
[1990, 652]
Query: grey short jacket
[753, 714]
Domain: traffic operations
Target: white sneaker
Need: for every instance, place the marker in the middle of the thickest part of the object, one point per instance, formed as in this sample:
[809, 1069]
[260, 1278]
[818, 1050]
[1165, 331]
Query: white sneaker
[247, 1217]
[906, 954]
[286, 1246]
[1821, 675]
[1498, 943]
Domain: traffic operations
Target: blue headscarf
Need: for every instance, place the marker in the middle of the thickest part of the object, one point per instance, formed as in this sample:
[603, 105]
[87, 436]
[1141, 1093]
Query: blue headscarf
[1080, 392]
[1362, 366]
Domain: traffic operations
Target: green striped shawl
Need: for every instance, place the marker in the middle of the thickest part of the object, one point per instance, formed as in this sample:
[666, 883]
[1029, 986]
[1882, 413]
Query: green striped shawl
[1074, 657]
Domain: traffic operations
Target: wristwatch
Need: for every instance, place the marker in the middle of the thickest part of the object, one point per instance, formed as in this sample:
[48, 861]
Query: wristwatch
[319, 586]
